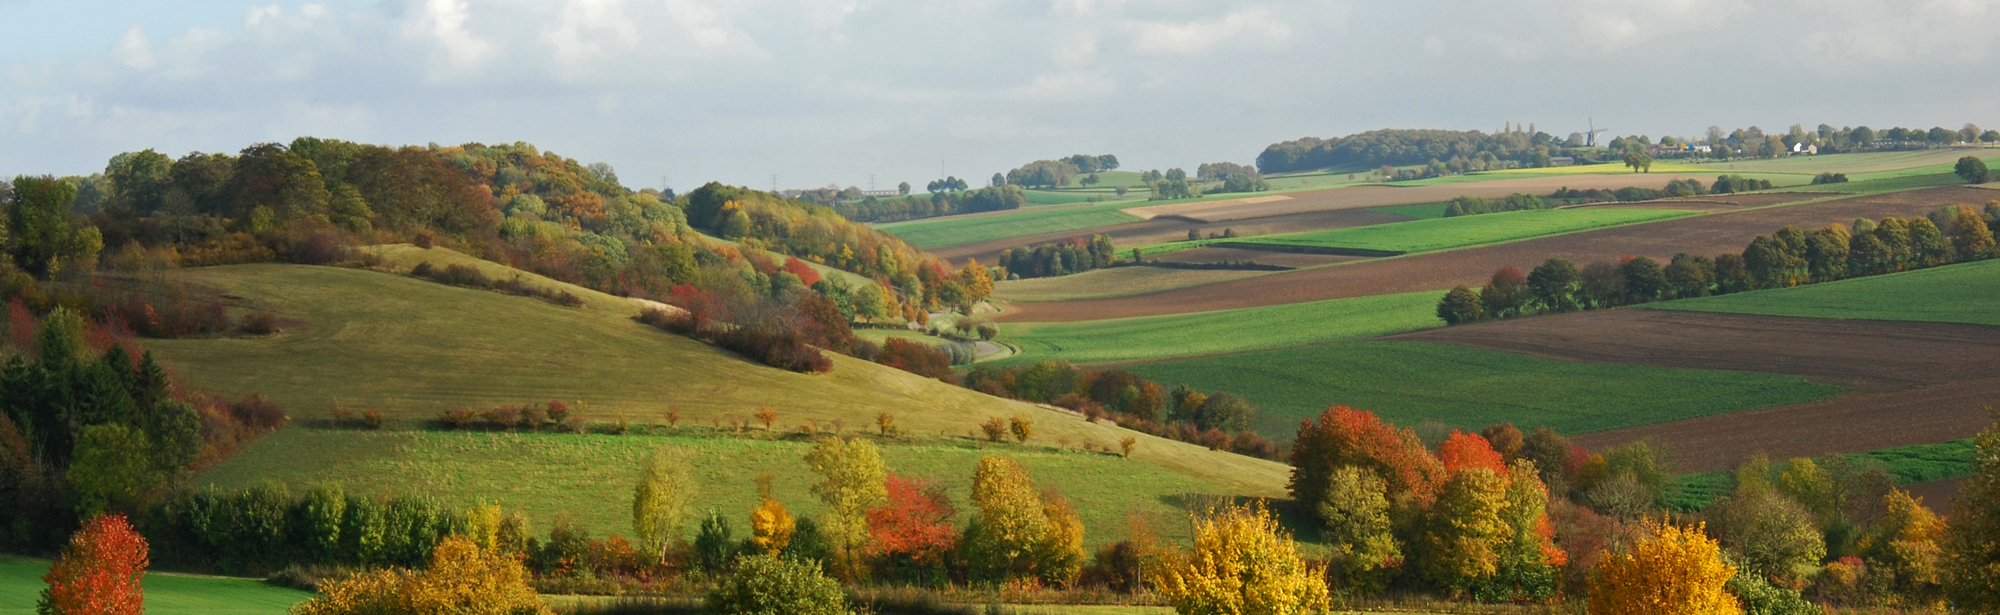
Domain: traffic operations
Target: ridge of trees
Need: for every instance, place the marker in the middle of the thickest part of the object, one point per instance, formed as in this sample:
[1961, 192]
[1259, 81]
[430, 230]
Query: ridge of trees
[1058, 258]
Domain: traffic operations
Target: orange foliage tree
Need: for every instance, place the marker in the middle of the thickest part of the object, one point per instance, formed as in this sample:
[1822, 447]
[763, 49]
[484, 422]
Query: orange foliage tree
[99, 571]
[913, 530]
[1464, 451]
[1344, 436]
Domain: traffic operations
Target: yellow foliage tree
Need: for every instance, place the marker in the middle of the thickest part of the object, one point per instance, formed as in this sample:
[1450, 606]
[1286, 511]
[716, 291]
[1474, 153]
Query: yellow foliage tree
[851, 482]
[462, 578]
[1671, 571]
[1243, 563]
[771, 526]
[1463, 531]
[1904, 546]
[1059, 557]
[660, 502]
[1010, 520]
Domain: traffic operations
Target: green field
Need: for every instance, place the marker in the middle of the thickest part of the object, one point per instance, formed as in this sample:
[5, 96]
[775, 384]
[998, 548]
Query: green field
[166, 594]
[1065, 197]
[1463, 231]
[956, 230]
[1866, 163]
[1112, 282]
[413, 348]
[1409, 383]
[1425, 211]
[1962, 293]
[590, 478]
[1224, 331]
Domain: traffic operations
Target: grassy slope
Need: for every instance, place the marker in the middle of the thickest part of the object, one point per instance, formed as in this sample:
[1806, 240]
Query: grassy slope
[956, 230]
[1462, 231]
[1408, 382]
[591, 477]
[1201, 333]
[1962, 293]
[21, 586]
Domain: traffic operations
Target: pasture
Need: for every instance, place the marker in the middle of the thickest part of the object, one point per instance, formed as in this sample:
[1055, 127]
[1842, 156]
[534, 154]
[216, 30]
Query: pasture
[589, 478]
[1963, 293]
[1464, 231]
[954, 230]
[415, 348]
[166, 594]
[1207, 333]
[1466, 388]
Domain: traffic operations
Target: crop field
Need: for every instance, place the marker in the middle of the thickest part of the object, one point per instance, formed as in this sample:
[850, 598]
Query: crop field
[1917, 464]
[590, 478]
[1047, 197]
[954, 230]
[1909, 382]
[1164, 230]
[1133, 339]
[1724, 232]
[1380, 195]
[417, 347]
[1113, 282]
[1462, 231]
[1962, 293]
[1864, 163]
[1468, 388]
[1422, 211]
[166, 594]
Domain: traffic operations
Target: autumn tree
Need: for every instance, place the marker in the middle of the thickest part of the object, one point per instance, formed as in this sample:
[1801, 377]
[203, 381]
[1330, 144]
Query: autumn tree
[1505, 439]
[1244, 563]
[1459, 306]
[1671, 571]
[660, 501]
[1775, 536]
[851, 482]
[1528, 556]
[1971, 239]
[1972, 540]
[1357, 527]
[1903, 548]
[1017, 533]
[1342, 436]
[912, 531]
[99, 572]
[771, 526]
[461, 578]
[1462, 531]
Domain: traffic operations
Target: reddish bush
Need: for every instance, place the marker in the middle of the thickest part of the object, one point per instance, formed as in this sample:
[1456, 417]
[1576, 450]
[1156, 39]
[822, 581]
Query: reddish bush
[457, 418]
[805, 272]
[99, 572]
[915, 357]
[1251, 444]
[914, 527]
[776, 348]
[259, 413]
[674, 321]
[1463, 451]
[1345, 436]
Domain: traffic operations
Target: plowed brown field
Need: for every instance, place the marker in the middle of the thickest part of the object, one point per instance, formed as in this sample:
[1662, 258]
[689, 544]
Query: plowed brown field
[1710, 234]
[1913, 383]
[1162, 230]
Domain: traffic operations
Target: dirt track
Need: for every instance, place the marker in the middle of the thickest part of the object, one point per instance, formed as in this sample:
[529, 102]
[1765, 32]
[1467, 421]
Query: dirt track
[1912, 383]
[1165, 229]
[1711, 234]
[1377, 196]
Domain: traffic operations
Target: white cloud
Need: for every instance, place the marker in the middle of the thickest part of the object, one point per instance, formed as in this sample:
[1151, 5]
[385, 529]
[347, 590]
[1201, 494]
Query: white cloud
[442, 22]
[592, 28]
[1191, 37]
[134, 49]
[1884, 31]
[1617, 25]
[701, 22]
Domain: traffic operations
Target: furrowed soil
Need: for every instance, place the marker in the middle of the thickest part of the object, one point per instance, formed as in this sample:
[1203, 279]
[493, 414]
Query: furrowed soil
[1377, 196]
[1707, 235]
[1212, 254]
[1912, 383]
[1174, 228]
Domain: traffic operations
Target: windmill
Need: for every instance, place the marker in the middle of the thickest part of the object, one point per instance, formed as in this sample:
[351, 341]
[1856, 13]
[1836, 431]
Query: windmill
[1590, 138]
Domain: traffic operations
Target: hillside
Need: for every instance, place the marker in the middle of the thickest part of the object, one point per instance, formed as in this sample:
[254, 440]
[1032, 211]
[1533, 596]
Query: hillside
[413, 348]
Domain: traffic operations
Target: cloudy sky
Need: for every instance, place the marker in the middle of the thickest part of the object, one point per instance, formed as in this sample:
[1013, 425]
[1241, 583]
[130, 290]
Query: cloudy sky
[833, 91]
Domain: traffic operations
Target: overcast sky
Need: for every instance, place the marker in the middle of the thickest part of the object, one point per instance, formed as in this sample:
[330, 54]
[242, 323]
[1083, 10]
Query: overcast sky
[820, 92]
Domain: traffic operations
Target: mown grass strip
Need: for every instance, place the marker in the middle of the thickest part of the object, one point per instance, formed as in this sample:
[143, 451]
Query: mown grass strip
[1463, 231]
[1225, 331]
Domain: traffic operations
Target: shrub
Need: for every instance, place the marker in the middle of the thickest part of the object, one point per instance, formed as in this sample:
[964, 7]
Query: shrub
[1672, 570]
[995, 428]
[259, 413]
[99, 571]
[1021, 427]
[372, 419]
[461, 578]
[769, 585]
[457, 418]
[915, 357]
[260, 323]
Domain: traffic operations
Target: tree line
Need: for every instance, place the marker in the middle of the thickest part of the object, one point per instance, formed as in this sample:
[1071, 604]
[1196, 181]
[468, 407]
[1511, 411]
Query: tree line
[1789, 257]
[1056, 173]
[940, 203]
[1408, 147]
[1059, 258]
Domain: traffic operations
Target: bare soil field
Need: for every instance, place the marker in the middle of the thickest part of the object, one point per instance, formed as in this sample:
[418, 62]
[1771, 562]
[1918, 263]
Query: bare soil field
[1710, 234]
[1937, 495]
[1174, 228]
[1212, 254]
[1912, 383]
[1113, 282]
[1357, 197]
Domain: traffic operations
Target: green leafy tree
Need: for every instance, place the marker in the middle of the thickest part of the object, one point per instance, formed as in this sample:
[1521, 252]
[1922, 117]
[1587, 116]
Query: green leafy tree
[1461, 306]
[111, 470]
[660, 501]
[41, 229]
[1971, 169]
[1554, 284]
[714, 543]
[852, 481]
[1357, 527]
[772, 585]
[1972, 540]
[1463, 531]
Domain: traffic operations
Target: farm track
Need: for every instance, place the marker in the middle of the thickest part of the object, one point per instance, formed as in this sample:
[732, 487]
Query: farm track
[1912, 382]
[1710, 234]
[1165, 229]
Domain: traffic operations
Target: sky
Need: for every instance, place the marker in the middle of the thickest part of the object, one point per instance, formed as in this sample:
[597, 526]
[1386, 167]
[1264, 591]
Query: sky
[839, 91]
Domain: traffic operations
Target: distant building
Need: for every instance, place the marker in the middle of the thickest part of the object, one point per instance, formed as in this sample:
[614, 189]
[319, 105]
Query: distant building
[1561, 161]
[1805, 149]
[868, 193]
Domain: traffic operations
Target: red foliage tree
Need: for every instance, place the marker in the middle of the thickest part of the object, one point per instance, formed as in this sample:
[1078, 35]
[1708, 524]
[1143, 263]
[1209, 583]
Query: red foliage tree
[20, 325]
[1464, 451]
[799, 268]
[99, 572]
[1345, 436]
[916, 358]
[914, 527]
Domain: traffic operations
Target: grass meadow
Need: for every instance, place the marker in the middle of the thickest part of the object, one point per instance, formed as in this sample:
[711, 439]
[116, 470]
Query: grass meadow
[1464, 231]
[589, 478]
[413, 348]
[956, 230]
[1411, 382]
[1224, 331]
[1962, 293]
[166, 594]
[1425, 211]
